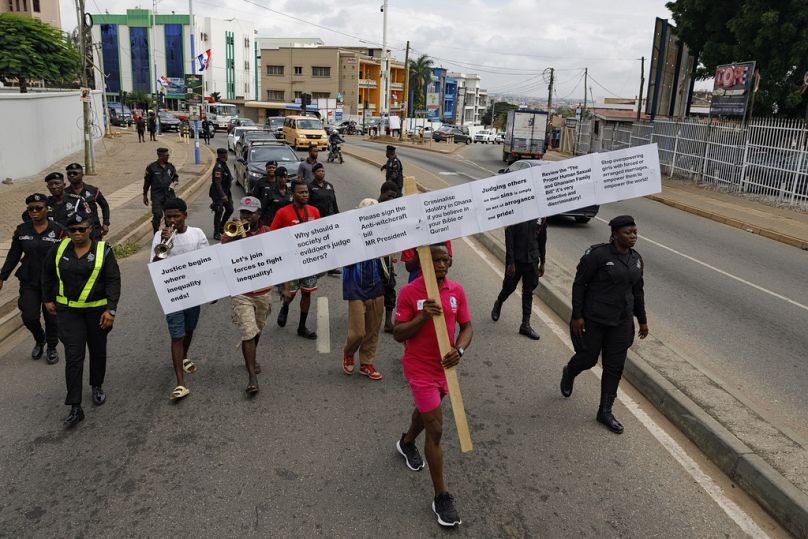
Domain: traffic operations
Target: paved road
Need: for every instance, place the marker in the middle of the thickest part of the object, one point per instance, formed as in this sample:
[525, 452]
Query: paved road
[735, 303]
[312, 454]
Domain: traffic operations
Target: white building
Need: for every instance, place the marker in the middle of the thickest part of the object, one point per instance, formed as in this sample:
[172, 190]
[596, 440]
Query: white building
[134, 43]
[471, 99]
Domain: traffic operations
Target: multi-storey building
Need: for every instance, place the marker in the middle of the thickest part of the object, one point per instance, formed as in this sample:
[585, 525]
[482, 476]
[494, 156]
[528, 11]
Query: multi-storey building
[46, 11]
[471, 99]
[132, 44]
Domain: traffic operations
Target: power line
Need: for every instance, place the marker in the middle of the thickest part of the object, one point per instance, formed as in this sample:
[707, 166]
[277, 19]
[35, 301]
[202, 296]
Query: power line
[602, 86]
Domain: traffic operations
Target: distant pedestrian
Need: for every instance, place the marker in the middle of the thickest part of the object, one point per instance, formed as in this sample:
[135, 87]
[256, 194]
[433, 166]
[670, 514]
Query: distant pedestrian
[140, 124]
[525, 250]
[394, 170]
[206, 131]
[606, 296]
[161, 178]
[152, 125]
[219, 193]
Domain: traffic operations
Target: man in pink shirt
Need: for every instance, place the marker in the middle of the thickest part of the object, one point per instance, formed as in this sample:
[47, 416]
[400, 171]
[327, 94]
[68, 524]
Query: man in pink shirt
[423, 368]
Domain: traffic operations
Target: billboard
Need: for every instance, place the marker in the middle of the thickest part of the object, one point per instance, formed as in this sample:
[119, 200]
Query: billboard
[731, 89]
[670, 78]
[432, 104]
[193, 89]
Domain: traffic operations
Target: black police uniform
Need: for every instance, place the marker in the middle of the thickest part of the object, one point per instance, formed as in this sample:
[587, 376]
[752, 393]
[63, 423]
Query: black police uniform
[61, 210]
[525, 248]
[221, 180]
[94, 199]
[324, 198]
[607, 293]
[79, 324]
[274, 202]
[394, 172]
[33, 247]
[159, 179]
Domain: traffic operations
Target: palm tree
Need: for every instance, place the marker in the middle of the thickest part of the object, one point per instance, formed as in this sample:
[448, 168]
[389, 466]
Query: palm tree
[420, 77]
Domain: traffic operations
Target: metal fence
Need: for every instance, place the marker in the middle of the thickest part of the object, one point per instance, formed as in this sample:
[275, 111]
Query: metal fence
[767, 157]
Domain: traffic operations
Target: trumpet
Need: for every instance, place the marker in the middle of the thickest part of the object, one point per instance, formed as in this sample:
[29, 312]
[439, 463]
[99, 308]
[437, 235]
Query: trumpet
[163, 249]
[236, 228]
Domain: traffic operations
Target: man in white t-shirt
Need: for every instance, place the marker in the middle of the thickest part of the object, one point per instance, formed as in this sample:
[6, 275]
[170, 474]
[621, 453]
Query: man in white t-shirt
[181, 324]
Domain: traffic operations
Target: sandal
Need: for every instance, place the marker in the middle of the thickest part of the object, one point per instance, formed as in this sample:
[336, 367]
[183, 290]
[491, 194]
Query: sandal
[179, 392]
[188, 366]
[252, 389]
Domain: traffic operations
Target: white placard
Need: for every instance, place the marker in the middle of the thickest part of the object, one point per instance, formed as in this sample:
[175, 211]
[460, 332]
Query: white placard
[189, 279]
[391, 226]
[258, 261]
[449, 213]
[327, 243]
[567, 185]
[504, 200]
[629, 173]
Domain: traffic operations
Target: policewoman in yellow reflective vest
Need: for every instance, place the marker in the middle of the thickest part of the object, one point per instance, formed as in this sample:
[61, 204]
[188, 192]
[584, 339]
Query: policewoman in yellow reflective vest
[81, 284]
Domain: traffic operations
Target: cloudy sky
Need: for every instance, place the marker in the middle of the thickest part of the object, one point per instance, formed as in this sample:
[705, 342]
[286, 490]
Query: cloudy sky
[509, 43]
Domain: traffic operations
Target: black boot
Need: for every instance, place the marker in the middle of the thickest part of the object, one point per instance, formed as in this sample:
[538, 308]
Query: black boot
[495, 311]
[567, 379]
[528, 331]
[605, 414]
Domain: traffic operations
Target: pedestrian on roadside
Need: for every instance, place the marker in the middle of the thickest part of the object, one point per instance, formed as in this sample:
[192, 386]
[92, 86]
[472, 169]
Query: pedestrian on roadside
[219, 193]
[31, 243]
[206, 131]
[152, 125]
[525, 250]
[299, 211]
[424, 370]
[305, 170]
[363, 289]
[92, 197]
[606, 296]
[277, 198]
[394, 170]
[181, 324]
[251, 310]
[161, 178]
[389, 191]
[140, 124]
[81, 285]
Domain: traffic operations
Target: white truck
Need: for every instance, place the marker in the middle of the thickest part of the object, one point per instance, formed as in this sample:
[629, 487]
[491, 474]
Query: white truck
[220, 114]
[525, 135]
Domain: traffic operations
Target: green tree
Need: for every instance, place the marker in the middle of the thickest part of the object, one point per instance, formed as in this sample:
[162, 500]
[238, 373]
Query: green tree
[137, 99]
[420, 77]
[501, 110]
[32, 50]
[217, 96]
[774, 33]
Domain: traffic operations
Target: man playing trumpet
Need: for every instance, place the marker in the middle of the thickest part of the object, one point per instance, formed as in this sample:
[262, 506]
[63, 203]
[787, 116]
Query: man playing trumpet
[178, 238]
[251, 310]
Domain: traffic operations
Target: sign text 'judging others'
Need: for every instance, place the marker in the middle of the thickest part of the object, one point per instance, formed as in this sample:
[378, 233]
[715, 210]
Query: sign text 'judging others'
[316, 246]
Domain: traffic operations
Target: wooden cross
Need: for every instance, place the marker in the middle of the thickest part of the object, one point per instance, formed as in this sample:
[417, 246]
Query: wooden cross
[428, 271]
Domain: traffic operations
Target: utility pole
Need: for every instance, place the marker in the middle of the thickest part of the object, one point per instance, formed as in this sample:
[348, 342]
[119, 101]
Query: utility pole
[154, 61]
[406, 90]
[586, 83]
[550, 92]
[197, 158]
[108, 126]
[89, 162]
[385, 65]
[642, 84]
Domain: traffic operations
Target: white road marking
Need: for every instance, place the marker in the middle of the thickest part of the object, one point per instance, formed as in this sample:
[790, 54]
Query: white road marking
[323, 326]
[719, 270]
[447, 173]
[741, 518]
[474, 163]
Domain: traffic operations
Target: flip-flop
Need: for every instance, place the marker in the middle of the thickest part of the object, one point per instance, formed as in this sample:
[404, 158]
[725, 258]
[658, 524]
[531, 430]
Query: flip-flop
[252, 389]
[179, 392]
[188, 366]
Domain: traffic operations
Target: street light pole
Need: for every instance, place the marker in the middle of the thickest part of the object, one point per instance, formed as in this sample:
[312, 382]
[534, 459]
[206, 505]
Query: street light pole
[385, 64]
[154, 64]
[197, 157]
[89, 162]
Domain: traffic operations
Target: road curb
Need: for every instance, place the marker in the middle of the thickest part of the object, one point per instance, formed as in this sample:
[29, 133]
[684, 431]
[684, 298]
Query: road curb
[735, 223]
[759, 479]
[456, 147]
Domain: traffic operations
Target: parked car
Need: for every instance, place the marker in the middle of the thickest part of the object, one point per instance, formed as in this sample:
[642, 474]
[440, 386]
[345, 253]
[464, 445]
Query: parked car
[484, 135]
[348, 127]
[234, 135]
[119, 114]
[168, 122]
[302, 132]
[250, 136]
[460, 133]
[251, 164]
[499, 138]
[581, 215]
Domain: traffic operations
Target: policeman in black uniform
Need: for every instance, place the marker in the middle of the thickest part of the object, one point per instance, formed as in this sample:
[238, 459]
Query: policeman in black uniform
[92, 196]
[32, 241]
[81, 285]
[266, 184]
[393, 168]
[161, 177]
[525, 249]
[606, 296]
[219, 193]
[277, 198]
[60, 204]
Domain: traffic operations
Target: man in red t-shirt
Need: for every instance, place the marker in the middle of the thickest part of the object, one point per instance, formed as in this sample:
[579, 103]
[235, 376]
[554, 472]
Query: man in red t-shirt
[251, 310]
[424, 369]
[292, 214]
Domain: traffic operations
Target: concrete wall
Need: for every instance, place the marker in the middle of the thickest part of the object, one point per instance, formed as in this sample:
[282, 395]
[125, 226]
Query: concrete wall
[44, 128]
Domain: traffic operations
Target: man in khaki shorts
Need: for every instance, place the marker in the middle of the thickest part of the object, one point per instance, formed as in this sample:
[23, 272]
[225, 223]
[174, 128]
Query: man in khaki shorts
[250, 310]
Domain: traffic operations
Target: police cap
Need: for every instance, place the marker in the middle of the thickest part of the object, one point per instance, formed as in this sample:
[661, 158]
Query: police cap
[162, 150]
[273, 163]
[317, 166]
[36, 197]
[622, 220]
[78, 218]
[391, 148]
[54, 176]
[74, 166]
[221, 151]
[281, 171]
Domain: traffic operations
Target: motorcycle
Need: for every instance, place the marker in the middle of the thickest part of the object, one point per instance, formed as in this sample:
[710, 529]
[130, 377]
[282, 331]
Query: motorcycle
[335, 153]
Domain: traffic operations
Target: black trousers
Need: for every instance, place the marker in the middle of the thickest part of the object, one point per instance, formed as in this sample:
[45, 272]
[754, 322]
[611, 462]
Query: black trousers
[152, 135]
[528, 273]
[79, 330]
[141, 136]
[611, 343]
[30, 305]
[221, 214]
[157, 211]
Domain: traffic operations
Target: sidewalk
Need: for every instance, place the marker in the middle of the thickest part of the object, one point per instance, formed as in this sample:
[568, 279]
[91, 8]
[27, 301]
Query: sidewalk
[427, 145]
[764, 461]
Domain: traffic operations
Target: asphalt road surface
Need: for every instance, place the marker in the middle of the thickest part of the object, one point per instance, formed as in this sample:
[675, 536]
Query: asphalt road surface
[734, 303]
[313, 453]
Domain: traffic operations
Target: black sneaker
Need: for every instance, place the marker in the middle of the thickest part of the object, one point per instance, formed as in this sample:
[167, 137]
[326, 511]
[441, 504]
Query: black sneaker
[443, 507]
[412, 458]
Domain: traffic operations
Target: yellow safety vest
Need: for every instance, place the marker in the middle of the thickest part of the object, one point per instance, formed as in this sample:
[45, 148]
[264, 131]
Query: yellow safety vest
[82, 302]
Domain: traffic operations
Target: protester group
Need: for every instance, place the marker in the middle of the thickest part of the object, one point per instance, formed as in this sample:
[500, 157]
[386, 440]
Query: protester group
[69, 277]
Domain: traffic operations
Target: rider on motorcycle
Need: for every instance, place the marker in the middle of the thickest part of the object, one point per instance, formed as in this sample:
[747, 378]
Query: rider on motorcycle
[334, 140]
